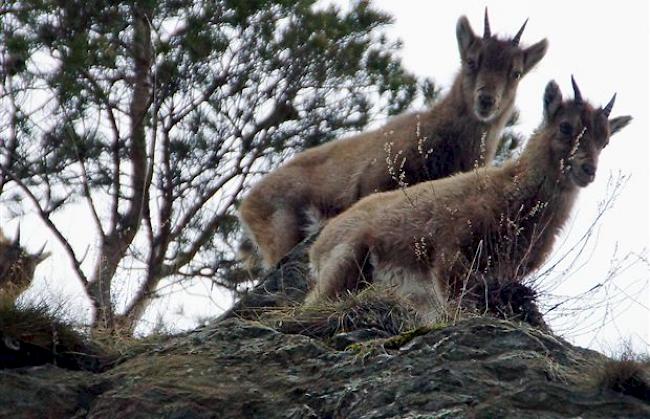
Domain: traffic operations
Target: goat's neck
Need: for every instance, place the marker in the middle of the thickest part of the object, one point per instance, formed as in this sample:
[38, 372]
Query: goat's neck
[540, 179]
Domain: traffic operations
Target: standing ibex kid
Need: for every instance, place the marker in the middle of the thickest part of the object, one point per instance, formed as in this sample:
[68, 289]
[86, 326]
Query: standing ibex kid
[455, 135]
[434, 241]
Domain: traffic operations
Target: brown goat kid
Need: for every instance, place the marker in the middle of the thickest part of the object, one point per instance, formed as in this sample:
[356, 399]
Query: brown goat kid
[455, 135]
[16, 267]
[435, 241]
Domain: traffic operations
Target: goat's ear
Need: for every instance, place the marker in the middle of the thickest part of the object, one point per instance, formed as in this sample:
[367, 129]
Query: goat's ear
[533, 54]
[618, 123]
[552, 99]
[465, 35]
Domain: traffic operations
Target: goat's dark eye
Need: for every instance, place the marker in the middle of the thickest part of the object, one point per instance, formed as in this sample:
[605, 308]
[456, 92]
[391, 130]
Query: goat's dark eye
[566, 128]
[516, 74]
[472, 64]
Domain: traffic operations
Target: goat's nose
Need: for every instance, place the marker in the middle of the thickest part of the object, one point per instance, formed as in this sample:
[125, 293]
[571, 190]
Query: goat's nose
[486, 101]
[589, 169]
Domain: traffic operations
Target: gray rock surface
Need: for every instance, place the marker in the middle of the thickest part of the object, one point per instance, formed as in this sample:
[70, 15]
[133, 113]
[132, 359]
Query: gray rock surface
[478, 368]
[349, 362]
[285, 285]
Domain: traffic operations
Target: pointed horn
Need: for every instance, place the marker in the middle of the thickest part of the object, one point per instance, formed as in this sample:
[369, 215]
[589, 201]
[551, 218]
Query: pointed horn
[486, 26]
[609, 106]
[517, 38]
[41, 250]
[17, 239]
[41, 255]
[577, 96]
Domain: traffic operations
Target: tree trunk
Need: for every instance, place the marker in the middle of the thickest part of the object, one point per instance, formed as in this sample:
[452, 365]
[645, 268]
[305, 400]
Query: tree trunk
[115, 244]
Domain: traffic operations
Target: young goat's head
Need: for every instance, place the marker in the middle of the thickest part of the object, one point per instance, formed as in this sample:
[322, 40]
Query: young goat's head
[17, 266]
[492, 68]
[576, 133]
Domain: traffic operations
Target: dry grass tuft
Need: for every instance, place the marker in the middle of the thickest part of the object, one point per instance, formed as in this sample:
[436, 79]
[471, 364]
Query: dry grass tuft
[33, 335]
[629, 375]
[371, 308]
[123, 345]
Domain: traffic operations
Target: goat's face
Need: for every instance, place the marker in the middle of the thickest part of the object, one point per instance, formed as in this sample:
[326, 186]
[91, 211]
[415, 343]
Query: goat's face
[492, 68]
[578, 133]
[17, 267]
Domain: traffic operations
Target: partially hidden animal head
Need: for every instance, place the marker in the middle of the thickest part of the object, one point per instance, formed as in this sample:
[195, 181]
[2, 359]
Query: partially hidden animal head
[492, 67]
[576, 133]
[17, 266]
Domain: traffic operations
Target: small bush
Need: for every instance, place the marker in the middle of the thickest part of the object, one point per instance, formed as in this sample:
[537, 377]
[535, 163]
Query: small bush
[629, 375]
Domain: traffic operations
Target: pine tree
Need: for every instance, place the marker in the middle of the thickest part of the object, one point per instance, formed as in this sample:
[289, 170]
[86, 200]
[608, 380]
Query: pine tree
[157, 115]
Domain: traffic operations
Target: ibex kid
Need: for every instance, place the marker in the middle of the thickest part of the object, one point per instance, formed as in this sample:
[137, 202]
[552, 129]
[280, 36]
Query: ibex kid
[433, 241]
[16, 266]
[455, 135]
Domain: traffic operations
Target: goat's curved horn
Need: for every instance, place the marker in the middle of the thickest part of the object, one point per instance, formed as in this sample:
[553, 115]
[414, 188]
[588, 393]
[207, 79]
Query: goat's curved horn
[577, 96]
[609, 106]
[486, 26]
[517, 38]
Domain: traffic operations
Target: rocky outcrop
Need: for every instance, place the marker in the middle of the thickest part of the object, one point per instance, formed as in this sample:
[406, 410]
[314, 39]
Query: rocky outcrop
[364, 357]
[286, 285]
[480, 367]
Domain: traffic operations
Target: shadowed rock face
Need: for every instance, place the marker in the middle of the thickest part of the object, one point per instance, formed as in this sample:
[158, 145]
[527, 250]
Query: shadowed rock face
[286, 285]
[344, 364]
[480, 367]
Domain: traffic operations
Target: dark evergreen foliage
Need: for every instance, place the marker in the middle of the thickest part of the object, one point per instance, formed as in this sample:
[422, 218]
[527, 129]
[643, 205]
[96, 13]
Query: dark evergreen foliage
[158, 114]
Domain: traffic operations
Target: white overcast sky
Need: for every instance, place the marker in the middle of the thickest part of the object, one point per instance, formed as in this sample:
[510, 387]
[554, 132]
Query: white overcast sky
[605, 45]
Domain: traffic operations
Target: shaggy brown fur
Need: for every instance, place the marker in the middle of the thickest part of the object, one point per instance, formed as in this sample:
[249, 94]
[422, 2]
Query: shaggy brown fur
[16, 267]
[455, 135]
[434, 241]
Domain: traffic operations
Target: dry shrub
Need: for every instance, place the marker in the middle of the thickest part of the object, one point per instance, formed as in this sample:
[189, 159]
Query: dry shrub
[508, 300]
[628, 374]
